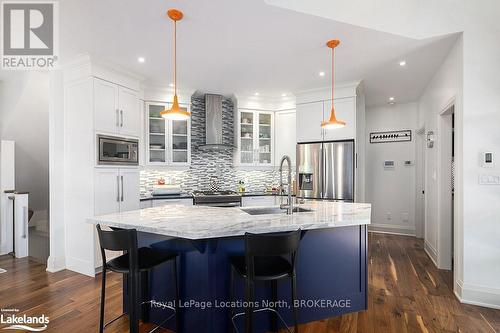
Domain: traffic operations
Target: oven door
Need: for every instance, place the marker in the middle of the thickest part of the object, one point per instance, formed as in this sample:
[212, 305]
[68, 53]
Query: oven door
[117, 151]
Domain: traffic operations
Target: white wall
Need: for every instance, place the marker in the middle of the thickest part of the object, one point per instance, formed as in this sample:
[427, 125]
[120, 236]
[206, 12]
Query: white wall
[445, 88]
[391, 191]
[24, 112]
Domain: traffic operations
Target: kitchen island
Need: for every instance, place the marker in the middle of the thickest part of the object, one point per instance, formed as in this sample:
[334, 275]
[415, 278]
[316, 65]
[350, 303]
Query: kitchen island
[332, 261]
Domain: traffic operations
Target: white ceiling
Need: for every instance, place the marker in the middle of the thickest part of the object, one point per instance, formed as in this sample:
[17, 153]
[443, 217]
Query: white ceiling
[242, 47]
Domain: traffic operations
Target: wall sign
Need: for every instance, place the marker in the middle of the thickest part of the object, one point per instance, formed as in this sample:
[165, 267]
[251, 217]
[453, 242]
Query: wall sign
[391, 136]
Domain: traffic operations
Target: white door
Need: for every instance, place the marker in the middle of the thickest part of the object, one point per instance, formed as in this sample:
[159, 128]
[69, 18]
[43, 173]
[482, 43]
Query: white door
[106, 191]
[345, 110]
[130, 112]
[106, 111]
[286, 135]
[129, 194]
[309, 118]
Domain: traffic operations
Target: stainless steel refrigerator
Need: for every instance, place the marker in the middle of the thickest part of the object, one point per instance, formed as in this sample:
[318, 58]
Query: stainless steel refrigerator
[325, 170]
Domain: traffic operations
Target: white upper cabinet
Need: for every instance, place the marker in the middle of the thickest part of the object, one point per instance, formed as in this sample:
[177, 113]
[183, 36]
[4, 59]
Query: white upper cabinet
[309, 118]
[130, 112]
[285, 135]
[255, 138]
[168, 141]
[106, 110]
[345, 110]
[310, 115]
[116, 109]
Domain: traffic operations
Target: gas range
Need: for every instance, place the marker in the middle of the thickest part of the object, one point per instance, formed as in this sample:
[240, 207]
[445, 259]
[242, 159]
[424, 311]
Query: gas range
[217, 198]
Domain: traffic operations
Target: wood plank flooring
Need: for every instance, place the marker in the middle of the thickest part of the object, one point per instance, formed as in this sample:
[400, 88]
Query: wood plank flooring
[406, 294]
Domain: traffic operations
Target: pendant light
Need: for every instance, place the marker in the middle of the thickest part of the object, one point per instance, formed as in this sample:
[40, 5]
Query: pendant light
[333, 122]
[176, 112]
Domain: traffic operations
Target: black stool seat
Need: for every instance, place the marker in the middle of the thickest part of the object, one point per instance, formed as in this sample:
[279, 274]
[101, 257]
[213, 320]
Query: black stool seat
[147, 259]
[266, 268]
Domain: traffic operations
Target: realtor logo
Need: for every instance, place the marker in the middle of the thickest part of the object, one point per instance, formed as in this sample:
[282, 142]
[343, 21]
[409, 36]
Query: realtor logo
[30, 33]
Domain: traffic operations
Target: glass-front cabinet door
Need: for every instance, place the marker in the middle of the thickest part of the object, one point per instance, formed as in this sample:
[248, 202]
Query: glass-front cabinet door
[265, 135]
[169, 141]
[247, 148]
[179, 141]
[255, 138]
[157, 135]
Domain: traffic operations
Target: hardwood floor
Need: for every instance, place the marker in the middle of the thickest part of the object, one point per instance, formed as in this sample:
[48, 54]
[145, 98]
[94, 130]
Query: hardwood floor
[407, 294]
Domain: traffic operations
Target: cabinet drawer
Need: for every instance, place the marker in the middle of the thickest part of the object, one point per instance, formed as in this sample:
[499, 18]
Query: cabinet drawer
[184, 202]
[258, 201]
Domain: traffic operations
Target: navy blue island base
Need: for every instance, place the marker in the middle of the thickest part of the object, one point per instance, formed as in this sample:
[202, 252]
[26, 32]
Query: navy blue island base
[331, 280]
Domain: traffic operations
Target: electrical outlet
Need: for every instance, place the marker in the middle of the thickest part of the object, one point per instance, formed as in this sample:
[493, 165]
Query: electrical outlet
[405, 217]
[389, 216]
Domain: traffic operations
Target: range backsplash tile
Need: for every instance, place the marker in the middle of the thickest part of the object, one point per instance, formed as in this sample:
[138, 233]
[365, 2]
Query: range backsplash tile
[208, 164]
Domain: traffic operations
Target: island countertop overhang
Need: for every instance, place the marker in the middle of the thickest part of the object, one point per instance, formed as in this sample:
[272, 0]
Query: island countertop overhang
[203, 222]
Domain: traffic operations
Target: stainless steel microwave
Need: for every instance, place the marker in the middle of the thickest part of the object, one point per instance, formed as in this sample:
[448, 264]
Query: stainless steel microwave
[117, 151]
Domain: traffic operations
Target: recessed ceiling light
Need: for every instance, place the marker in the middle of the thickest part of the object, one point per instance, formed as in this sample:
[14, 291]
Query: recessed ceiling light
[321, 73]
[391, 99]
[256, 94]
[171, 85]
[391, 103]
[141, 60]
[283, 95]
[402, 63]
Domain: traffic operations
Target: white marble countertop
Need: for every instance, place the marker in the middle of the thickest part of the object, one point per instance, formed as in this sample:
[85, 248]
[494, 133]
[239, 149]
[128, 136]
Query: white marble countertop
[202, 222]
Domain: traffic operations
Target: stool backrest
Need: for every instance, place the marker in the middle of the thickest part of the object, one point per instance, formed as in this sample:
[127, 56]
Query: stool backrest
[119, 240]
[271, 245]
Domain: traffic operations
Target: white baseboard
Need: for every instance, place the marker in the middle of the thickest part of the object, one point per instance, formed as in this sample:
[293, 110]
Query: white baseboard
[392, 229]
[478, 295]
[431, 252]
[55, 264]
[80, 266]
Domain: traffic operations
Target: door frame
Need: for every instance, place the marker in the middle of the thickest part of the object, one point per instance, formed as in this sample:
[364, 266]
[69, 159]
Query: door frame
[420, 170]
[445, 204]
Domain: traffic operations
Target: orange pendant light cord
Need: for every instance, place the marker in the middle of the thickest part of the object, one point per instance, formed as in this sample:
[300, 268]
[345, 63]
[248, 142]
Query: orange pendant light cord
[333, 70]
[175, 57]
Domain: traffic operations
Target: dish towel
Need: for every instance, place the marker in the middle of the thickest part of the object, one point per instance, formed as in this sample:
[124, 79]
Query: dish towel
[2, 271]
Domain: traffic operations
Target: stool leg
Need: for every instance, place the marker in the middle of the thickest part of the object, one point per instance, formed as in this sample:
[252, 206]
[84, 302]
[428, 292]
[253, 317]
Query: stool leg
[145, 296]
[231, 299]
[103, 298]
[294, 297]
[133, 303]
[178, 322]
[274, 292]
[249, 308]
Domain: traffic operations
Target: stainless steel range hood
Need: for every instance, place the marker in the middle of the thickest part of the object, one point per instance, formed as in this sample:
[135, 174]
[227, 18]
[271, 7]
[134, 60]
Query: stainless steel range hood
[214, 139]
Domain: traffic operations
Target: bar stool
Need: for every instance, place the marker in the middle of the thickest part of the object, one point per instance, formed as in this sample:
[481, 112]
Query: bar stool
[135, 263]
[268, 257]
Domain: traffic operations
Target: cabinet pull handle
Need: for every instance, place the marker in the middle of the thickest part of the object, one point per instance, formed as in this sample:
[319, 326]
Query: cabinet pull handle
[122, 187]
[121, 113]
[117, 118]
[118, 188]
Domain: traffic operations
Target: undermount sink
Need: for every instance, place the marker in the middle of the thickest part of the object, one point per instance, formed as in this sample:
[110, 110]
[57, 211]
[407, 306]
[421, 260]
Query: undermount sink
[272, 210]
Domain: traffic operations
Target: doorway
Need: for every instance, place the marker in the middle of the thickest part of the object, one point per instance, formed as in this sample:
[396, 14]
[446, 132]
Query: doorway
[446, 163]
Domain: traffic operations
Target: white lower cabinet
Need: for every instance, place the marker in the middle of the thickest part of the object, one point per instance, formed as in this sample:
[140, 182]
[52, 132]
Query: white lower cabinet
[165, 202]
[146, 204]
[116, 190]
[265, 200]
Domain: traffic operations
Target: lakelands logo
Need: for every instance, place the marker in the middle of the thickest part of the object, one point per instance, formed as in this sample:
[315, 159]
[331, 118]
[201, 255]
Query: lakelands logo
[30, 35]
[24, 322]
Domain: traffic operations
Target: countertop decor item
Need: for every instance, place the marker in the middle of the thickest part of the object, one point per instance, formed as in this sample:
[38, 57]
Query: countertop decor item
[333, 122]
[176, 112]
